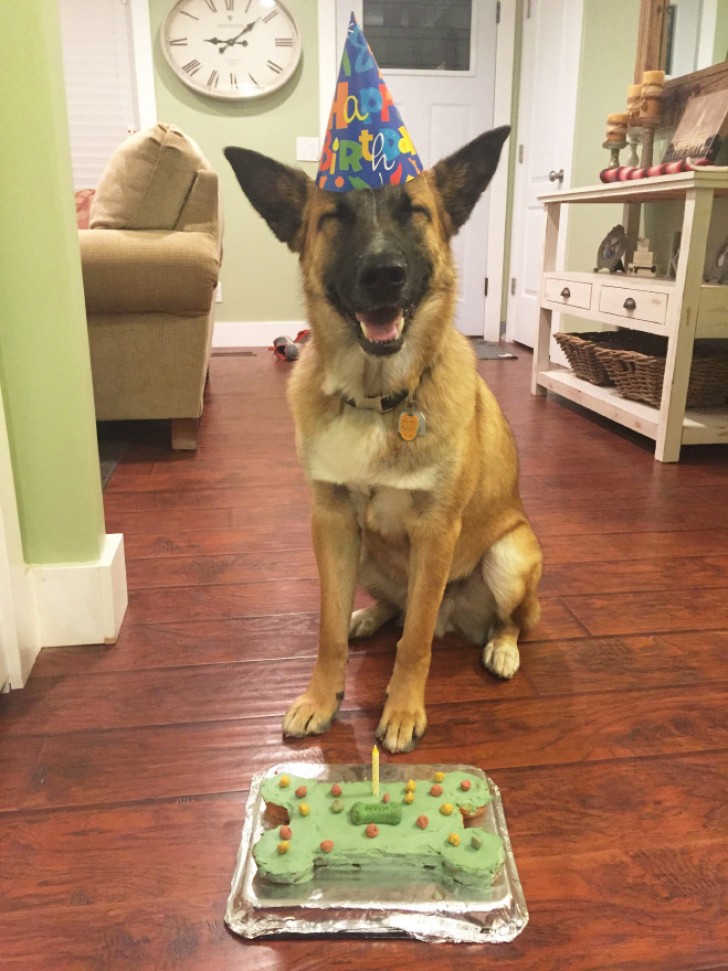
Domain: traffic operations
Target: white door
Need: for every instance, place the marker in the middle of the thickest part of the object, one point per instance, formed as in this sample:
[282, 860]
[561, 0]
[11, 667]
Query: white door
[442, 107]
[547, 108]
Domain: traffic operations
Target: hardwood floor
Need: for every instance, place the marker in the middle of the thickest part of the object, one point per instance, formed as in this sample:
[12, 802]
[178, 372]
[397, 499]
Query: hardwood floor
[125, 769]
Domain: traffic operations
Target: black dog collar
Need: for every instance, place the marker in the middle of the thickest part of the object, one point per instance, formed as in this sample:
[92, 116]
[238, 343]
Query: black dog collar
[382, 405]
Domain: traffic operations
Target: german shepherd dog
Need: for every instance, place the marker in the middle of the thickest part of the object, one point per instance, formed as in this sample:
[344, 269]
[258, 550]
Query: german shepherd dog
[411, 463]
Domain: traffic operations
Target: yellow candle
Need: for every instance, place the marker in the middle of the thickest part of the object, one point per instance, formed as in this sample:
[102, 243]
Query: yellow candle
[375, 771]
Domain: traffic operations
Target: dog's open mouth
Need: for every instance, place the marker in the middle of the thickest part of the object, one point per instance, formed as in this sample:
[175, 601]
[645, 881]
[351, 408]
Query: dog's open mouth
[381, 329]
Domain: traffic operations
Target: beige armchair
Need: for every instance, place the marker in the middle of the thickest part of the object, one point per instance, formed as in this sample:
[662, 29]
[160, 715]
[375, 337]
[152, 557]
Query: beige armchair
[151, 262]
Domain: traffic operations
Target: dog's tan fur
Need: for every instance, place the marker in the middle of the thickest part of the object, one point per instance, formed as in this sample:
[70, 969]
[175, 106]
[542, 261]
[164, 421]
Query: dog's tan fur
[434, 529]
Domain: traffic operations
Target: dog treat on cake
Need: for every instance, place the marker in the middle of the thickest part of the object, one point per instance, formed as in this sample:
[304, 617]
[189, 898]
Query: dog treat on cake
[344, 827]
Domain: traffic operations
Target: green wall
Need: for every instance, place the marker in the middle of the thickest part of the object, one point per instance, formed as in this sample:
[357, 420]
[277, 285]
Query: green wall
[259, 274]
[45, 371]
[609, 49]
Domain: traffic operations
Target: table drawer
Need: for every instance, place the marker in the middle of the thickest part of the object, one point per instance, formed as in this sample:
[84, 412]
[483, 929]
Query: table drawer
[634, 304]
[570, 293]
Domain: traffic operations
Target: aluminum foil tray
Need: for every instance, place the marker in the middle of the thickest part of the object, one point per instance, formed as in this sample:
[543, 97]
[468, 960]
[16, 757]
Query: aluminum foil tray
[374, 902]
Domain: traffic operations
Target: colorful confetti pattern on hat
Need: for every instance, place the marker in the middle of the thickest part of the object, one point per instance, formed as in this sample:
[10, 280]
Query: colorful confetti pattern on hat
[366, 144]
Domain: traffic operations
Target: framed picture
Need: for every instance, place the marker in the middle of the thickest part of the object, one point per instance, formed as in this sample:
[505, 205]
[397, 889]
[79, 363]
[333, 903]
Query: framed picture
[611, 250]
[702, 128]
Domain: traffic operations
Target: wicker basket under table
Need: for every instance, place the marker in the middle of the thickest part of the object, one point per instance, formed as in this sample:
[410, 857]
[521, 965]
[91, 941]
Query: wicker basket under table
[580, 350]
[640, 376]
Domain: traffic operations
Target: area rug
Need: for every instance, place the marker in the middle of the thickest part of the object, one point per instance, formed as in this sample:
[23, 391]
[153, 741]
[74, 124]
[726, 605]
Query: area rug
[111, 449]
[492, 351]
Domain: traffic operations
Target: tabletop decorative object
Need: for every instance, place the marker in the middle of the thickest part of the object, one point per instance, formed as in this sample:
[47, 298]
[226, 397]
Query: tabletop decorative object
[611, 250]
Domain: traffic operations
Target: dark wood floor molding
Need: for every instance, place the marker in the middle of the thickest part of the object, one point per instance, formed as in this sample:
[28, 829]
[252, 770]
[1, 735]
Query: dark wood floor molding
[125, 769]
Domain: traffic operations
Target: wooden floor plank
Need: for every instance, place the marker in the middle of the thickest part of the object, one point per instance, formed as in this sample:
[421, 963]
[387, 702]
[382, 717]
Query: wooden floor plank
[125, 768]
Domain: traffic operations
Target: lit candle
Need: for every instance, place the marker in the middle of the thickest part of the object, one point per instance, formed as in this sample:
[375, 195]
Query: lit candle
[375, 771]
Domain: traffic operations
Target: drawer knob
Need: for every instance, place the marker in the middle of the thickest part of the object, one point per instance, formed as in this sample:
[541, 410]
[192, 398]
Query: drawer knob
[629, 304]
[566, 293]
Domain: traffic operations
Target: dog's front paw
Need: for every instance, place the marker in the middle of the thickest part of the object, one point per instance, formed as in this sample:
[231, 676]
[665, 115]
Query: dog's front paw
[501, 658]
[310, 716]
[401, 727]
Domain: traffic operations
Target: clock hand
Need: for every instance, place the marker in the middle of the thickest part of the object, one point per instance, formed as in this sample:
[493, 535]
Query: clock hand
[224, 44]
[236, 39]
[249, 27]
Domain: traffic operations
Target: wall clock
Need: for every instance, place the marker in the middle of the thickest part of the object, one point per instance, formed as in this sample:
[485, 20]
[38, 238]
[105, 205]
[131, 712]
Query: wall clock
[234, 50]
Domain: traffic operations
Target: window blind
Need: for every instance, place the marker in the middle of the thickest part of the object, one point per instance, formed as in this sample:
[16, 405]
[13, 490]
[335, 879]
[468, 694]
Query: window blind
[100, 85]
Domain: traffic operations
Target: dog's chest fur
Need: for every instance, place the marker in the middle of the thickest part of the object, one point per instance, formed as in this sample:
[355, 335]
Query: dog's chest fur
[356, 450]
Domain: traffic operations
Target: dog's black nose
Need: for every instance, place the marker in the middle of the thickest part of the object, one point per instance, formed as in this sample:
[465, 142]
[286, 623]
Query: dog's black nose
[382, 275]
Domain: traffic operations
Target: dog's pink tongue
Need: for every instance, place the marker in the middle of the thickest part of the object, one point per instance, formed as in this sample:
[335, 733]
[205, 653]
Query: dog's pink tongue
[381, 324]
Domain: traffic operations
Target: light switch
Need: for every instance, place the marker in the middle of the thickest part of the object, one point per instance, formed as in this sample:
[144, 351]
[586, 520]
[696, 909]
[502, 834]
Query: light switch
[307, 149]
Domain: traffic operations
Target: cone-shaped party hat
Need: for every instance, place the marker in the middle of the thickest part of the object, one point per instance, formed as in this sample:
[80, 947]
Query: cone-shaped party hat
[366, 144]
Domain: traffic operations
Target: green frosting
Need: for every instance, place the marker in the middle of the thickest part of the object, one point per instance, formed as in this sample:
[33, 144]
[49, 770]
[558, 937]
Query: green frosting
[468, 860]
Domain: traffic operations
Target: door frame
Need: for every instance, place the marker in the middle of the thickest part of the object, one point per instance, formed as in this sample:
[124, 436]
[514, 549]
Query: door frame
[143, 59]
[517, 188]
[329, 59]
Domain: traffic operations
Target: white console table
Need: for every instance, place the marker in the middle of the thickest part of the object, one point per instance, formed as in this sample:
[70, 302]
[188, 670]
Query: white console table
[682, 310]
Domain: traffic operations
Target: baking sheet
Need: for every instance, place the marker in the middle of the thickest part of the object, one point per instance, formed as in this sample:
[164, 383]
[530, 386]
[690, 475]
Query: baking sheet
[375, 902]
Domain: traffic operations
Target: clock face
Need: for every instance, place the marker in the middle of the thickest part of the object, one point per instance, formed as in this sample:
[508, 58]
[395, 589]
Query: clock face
[231, 49]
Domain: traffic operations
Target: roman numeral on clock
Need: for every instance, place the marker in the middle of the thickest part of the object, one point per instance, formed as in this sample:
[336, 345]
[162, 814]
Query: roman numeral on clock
[213, 79]
[188, 14]
[211, 5]
[233, 81]
[276, 68]
[178, 42]
[284, 42]
[230, 5]
[270, 16]
[192, 67]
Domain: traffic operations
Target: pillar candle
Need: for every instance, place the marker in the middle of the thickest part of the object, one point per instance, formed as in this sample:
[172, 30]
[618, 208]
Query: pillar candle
[652, 84]
[634, 98]
[616, 128]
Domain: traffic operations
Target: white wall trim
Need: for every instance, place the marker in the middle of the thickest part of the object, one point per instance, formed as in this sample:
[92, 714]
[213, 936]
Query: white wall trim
[242, 333]
[143, 63]
[499, 187]
[328, 60]
[82, 603]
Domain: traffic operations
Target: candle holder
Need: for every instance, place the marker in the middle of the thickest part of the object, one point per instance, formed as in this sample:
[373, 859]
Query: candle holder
[615, 148]
[634, 141]
[648, 140]
[634, 131]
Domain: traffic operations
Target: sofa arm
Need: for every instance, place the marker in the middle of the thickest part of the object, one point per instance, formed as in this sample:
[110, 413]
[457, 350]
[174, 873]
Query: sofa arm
[202, 212]
[147, 271]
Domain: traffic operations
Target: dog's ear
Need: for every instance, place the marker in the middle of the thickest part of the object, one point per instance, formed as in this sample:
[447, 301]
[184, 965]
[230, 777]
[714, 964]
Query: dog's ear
[277, 191]
[462, 177]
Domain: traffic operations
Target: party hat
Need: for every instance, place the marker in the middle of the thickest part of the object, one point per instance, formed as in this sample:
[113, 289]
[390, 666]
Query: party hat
[366, 144]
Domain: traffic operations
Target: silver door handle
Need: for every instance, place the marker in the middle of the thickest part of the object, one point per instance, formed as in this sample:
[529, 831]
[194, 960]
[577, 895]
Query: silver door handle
[555, 176]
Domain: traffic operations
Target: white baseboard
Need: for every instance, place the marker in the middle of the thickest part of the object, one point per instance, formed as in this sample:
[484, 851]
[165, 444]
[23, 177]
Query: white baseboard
[82, 603]
[237, 333]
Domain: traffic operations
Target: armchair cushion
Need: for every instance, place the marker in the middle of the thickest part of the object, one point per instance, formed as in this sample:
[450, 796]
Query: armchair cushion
[147, 181]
